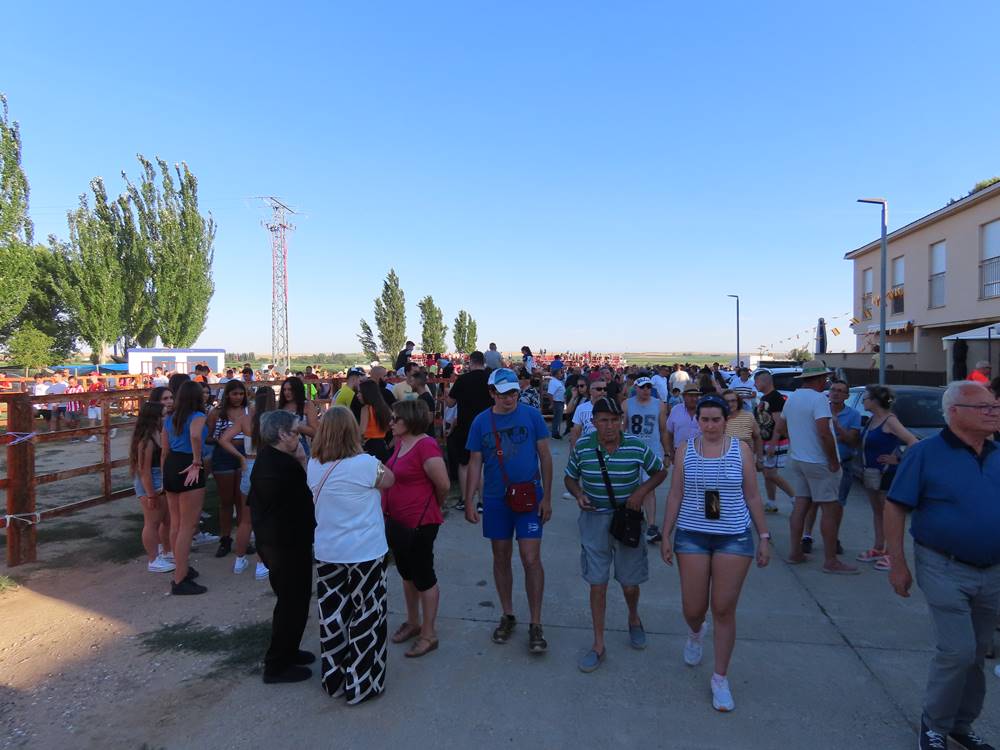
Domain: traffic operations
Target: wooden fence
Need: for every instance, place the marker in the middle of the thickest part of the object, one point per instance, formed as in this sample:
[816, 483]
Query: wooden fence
[22, 517]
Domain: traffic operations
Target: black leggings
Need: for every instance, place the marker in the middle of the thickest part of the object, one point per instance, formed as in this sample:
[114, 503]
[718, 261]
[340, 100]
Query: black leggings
[417, 563]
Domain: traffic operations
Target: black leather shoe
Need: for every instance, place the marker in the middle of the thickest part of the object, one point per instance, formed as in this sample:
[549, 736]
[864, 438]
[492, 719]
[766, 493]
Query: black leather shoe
[970, 741]
[304, 657]
[289, 674]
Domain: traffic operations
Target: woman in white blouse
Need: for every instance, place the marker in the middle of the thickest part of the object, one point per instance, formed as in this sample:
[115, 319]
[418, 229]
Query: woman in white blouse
[350, 550]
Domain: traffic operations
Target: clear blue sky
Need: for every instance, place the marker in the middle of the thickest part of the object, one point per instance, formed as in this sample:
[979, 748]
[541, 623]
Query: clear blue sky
[576, 175]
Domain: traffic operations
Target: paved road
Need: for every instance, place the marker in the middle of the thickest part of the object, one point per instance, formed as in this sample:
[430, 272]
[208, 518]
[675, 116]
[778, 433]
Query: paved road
[821, 662]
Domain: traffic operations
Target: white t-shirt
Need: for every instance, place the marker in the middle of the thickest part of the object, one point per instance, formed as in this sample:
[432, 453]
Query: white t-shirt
[678, 380]
[349, 523]
[803, 407]
[662, 386]
[58, 388]
[557, 389]
[161, 381]
[584, 416]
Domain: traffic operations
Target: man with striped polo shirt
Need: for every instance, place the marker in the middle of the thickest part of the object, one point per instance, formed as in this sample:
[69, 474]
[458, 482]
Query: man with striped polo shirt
[624, 458]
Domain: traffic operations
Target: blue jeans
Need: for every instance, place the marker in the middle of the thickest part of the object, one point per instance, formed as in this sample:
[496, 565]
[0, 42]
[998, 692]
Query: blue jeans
[846, 479]
[557, 415]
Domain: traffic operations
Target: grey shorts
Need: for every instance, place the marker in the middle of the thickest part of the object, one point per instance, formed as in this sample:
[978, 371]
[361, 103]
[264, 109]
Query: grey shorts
[599, 550]
[813, 481]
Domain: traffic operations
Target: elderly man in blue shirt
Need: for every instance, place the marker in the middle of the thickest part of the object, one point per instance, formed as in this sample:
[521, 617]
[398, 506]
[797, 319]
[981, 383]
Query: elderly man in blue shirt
[950, 485]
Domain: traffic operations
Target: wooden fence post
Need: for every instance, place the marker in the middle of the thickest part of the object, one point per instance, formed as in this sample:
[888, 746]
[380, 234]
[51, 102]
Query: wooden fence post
[21, 535]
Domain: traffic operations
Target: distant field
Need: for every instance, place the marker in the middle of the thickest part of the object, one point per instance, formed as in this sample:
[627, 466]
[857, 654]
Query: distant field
[670, 358]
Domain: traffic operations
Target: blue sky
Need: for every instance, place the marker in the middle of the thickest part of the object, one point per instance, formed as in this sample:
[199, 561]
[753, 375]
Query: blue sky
[576, 175]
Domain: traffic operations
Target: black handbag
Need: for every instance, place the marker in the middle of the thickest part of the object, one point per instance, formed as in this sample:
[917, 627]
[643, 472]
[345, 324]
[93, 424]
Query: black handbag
[398, 535]
[626, 524]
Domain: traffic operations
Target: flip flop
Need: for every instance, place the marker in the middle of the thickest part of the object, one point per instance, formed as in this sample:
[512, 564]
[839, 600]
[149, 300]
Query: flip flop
[405, 632]
[421, 646]
[842, 570]
[793, 561]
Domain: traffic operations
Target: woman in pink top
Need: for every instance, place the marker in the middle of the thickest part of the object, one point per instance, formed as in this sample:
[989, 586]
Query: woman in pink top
[413, 513]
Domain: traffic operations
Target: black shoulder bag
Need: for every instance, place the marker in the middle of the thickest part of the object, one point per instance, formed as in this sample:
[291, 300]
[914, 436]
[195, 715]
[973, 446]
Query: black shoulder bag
[398, 535]
[626, 524]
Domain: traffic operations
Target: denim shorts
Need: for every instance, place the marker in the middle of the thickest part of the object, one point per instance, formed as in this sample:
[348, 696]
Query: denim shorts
[699, 543]
[157, 477]
[224, 462]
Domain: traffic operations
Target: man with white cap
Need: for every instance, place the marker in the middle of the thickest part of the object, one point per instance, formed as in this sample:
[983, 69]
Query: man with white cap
[645, 417]
[982, 373]
[510, 444]
[813, 466]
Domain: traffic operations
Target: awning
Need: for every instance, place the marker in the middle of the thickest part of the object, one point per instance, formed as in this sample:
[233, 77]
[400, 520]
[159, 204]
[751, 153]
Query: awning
[982, 333]
[891, 326]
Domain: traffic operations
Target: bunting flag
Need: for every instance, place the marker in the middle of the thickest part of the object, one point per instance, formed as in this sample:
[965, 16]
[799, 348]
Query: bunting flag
[835, 331]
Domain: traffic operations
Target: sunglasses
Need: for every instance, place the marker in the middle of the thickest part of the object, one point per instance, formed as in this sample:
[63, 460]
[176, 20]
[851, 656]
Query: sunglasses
[598, 389]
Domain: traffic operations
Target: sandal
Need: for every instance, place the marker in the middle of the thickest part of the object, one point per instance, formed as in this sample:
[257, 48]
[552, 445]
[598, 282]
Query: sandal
[405, 632]
[422, 646]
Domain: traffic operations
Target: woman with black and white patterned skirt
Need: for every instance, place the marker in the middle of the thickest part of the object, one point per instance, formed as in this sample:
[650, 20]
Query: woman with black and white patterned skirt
[350, 548]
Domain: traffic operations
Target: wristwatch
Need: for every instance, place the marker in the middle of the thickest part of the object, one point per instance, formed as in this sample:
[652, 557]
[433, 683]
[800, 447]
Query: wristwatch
[766, 535]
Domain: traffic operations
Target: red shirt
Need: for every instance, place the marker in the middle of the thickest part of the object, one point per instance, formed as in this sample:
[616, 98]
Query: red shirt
[978, 377]
[413, 490]
[94, 388]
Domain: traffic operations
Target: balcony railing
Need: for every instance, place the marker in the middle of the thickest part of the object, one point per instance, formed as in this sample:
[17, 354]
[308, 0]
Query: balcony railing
[935, 295]
[989, 278]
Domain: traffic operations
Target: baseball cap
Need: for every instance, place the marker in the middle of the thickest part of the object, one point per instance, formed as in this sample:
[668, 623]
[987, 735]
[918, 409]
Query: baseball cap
[355, 371]
[643, 381]
[607, 405]
[504, 380]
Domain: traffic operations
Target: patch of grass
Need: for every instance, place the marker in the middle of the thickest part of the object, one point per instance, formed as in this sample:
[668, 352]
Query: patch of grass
[7, 584]
[236, 648]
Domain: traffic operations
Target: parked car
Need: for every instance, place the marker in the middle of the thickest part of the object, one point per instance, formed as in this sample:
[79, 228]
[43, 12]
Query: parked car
[783, 377]
[918, 407]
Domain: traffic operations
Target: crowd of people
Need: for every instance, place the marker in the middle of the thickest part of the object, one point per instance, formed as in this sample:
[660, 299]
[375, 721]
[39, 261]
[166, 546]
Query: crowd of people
[332, 481]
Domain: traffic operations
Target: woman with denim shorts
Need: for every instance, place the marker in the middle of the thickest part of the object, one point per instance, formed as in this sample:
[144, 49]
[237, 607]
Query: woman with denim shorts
[144, 463]
[713, 497]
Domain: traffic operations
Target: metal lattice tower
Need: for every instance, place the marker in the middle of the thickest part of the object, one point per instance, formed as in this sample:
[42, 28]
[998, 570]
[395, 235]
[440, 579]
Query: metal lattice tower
[279, 281]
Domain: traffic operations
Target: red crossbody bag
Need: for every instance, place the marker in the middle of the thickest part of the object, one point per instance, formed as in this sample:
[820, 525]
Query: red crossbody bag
[520, 497]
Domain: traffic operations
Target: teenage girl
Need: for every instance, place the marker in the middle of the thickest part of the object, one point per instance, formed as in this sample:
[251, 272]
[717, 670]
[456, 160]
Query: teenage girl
[293, 399]
[375, 419]
[226, 465]
[144, 465]
[165, 397]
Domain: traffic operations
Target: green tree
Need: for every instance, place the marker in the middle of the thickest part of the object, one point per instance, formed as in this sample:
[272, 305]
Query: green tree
[179, 242]
[46, 309]
[367, 339]
[90, 279]
[390, 314]
[460, 332]
[16, 229]
[433, 329]
[471, 334]
[800, 354]
[29, 348]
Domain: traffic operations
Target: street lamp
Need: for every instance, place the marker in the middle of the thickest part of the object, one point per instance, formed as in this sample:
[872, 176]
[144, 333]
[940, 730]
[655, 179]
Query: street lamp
[737, 298]
[882, 301]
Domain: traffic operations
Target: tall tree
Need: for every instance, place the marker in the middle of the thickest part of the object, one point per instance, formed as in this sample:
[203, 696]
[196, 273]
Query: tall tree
[433, 329]
[134, 263]
[90, 281]
[460, 332]
[471, 334]
[179, 241]
[367, 339]
[16, 229]
[29, 348]
[390, 314]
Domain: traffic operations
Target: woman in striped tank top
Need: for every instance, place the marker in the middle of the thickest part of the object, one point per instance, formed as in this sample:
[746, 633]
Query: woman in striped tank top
[713, 498]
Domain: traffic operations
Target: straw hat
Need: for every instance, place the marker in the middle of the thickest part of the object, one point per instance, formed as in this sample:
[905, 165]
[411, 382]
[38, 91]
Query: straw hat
[814, 368]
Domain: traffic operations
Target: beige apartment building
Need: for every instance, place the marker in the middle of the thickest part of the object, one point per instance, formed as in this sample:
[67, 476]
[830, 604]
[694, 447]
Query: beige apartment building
[943, 277]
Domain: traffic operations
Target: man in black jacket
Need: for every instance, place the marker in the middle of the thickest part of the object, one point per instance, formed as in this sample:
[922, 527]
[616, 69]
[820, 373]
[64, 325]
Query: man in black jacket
[281, 511]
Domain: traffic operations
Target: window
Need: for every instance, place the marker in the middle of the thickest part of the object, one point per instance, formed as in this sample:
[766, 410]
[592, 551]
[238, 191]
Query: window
[867, 285]
[989, 266]
[898, 277]
[938, 265]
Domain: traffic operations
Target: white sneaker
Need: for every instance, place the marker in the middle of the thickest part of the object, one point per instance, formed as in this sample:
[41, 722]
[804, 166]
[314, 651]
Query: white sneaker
[569, 496]
[169, 556]
[91, 439]
[203, 537]
[693, 649]
[240, 565]
[160, 565]
[722, 697]
[114, 431]
[262, 572]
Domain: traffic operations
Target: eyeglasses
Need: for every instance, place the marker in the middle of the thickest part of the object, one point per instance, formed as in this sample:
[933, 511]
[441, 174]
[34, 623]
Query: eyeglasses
[598, 389]
[394, 418]
[984, 408]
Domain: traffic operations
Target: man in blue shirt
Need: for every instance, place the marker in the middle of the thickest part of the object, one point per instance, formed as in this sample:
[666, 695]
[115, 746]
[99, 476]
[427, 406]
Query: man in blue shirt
[950, 484]
[523, 457]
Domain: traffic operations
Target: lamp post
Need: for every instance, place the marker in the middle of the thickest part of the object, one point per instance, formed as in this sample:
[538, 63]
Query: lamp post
[882, 300]
[737, 298]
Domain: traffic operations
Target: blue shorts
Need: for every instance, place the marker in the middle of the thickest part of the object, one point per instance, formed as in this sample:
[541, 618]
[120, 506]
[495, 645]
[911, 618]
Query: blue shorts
[224, 462]
[699, 543]
[500, 522]
[157, 477]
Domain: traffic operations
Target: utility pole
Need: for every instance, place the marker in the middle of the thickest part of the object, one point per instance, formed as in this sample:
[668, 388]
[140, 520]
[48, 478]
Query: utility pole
[279, 280]
[883, 302]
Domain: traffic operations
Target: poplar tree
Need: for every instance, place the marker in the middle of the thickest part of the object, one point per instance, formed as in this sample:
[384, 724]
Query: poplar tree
[471, 334]
[390, 314]
[460, 332]
[90, 279]
[433, 329]
[46, 310]
[179, 241]
[367, 339]
[16, 229]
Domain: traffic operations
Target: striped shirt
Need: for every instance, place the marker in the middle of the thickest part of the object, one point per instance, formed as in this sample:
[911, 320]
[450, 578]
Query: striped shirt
[724, 474]
[625, 467]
